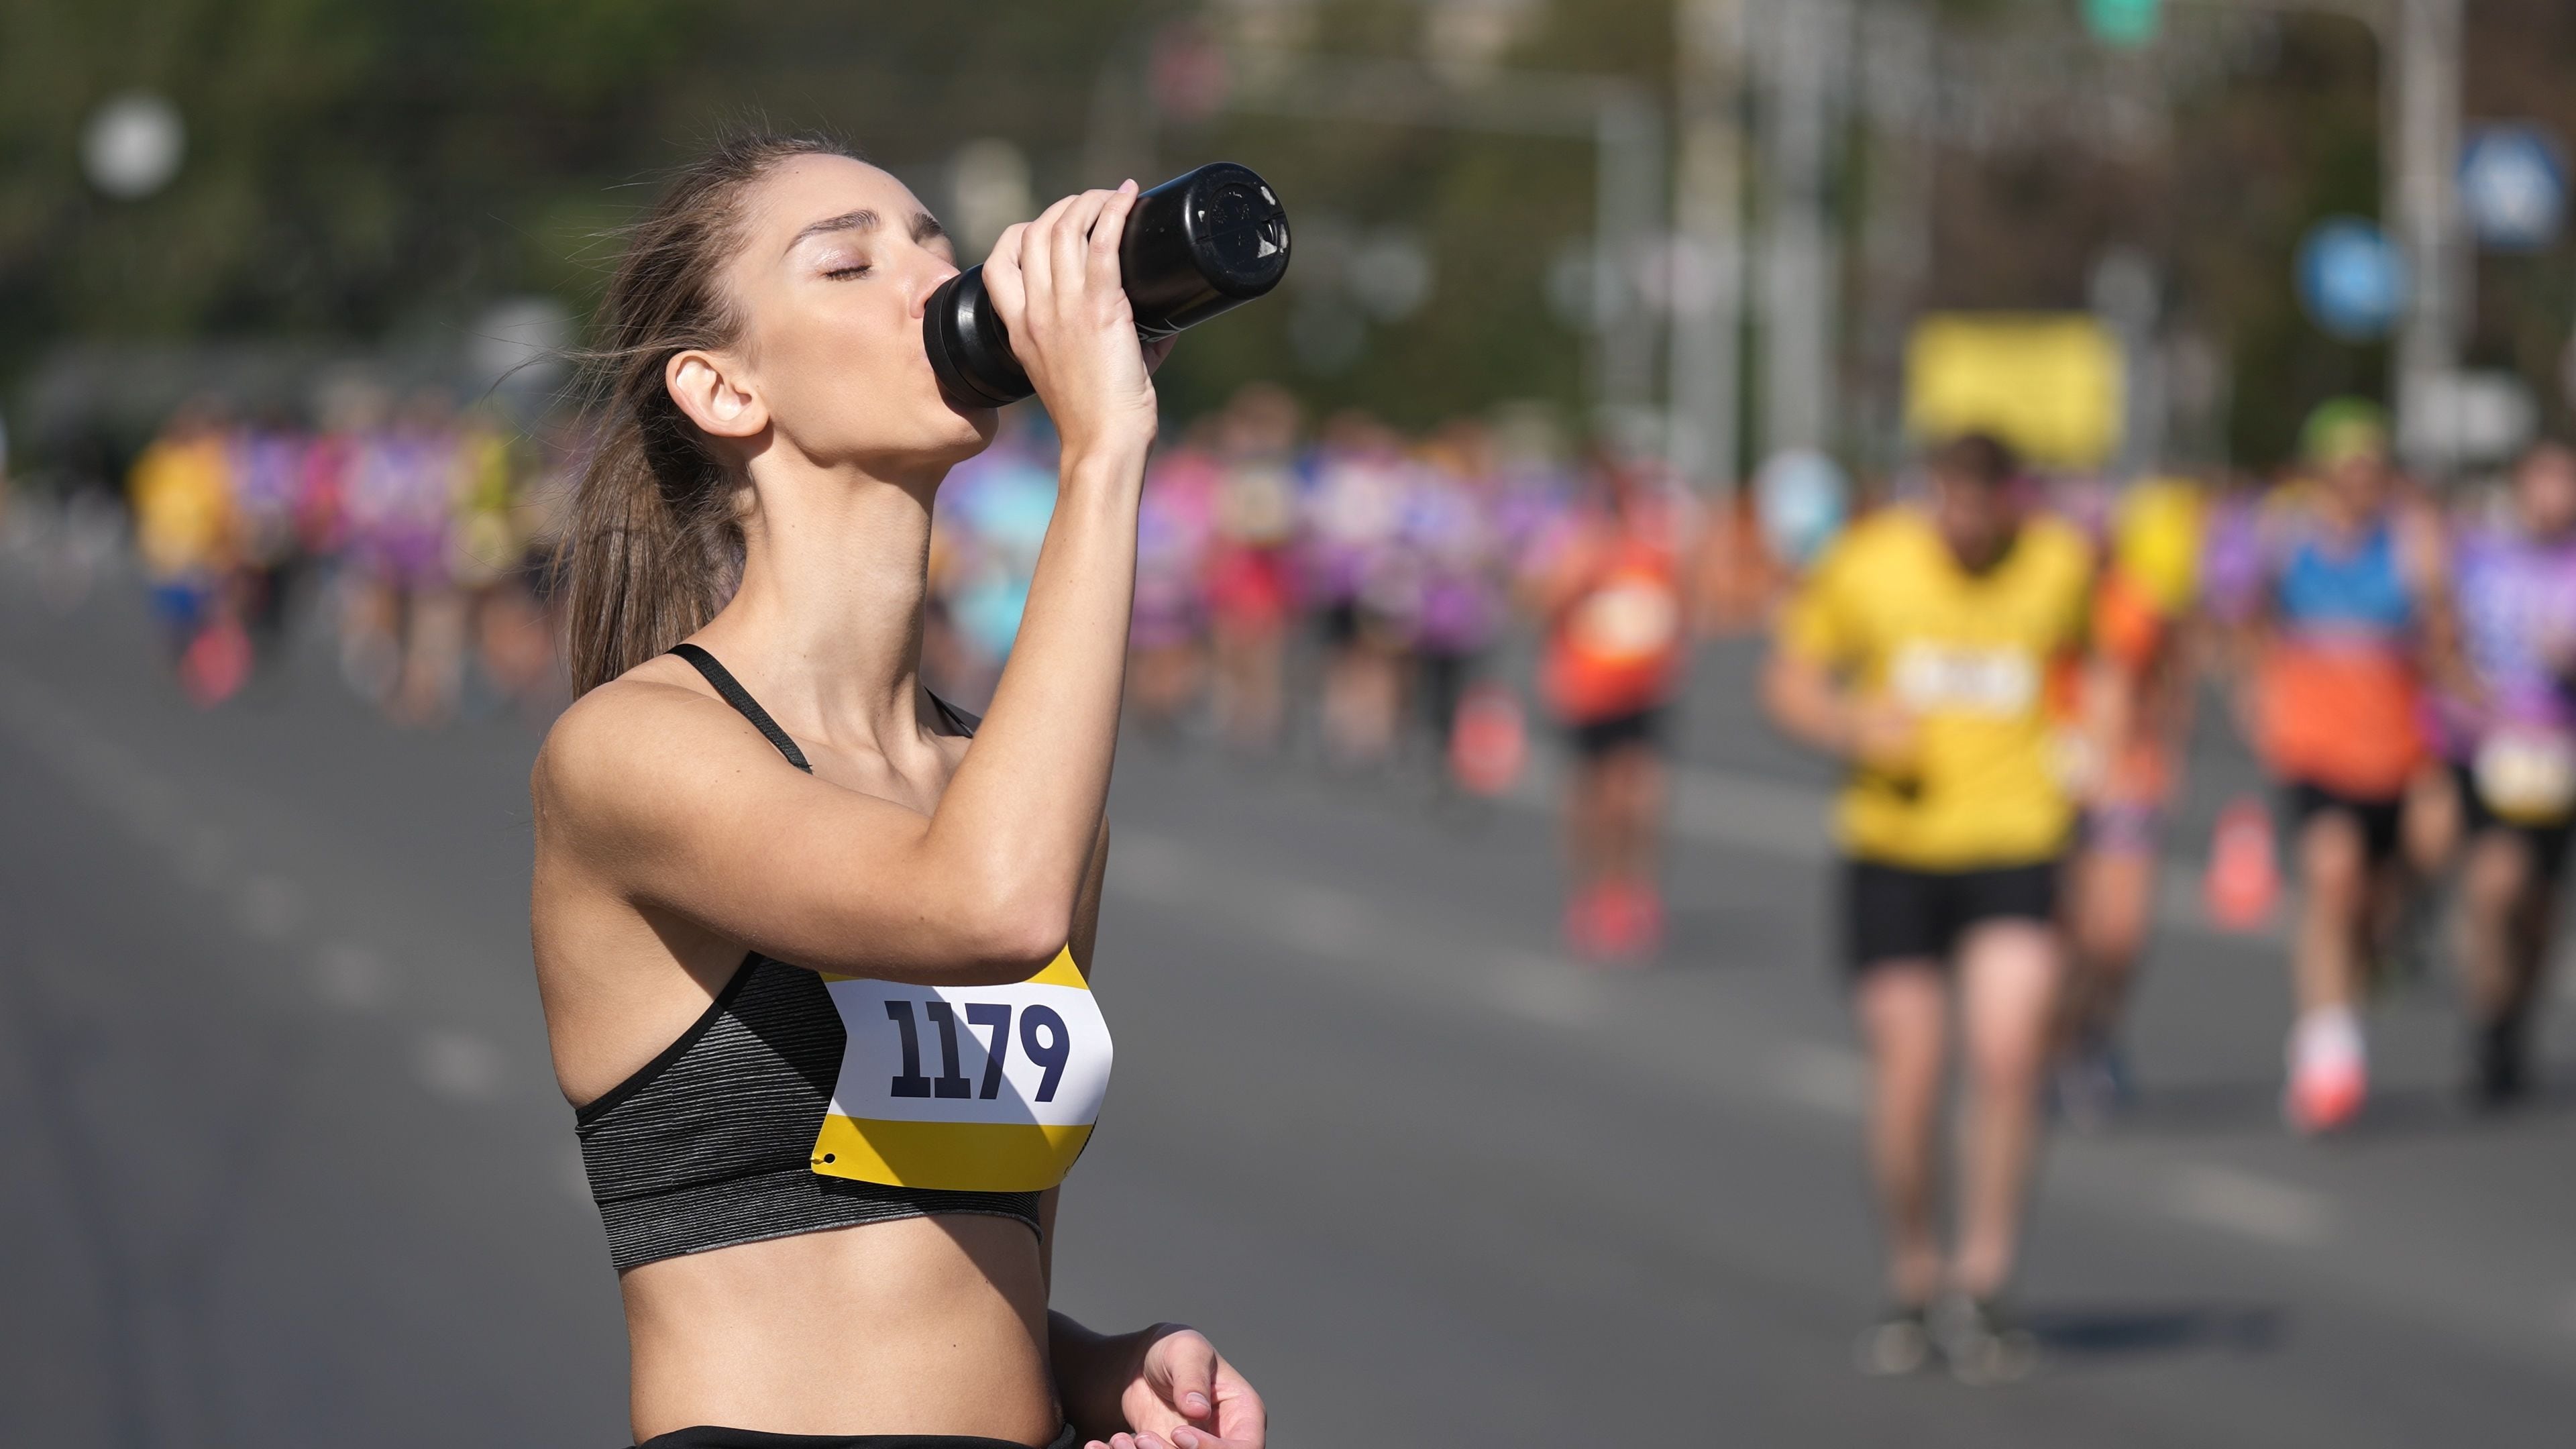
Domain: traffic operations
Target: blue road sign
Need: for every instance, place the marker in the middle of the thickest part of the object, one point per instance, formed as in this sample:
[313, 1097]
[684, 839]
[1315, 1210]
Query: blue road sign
[2351, 278]
[2513, 187]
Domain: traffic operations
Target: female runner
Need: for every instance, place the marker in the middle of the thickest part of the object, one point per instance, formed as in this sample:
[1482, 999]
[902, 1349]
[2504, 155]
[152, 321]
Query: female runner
[813, 965]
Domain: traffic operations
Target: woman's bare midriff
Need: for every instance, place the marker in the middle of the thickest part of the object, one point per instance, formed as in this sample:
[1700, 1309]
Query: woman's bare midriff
[930, 1325]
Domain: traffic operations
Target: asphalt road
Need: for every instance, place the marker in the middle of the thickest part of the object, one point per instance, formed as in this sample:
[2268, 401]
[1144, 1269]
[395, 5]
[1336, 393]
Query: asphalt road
[281, 1162]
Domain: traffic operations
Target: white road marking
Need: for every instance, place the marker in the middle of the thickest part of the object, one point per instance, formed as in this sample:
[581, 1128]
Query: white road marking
[1827, 1079]
[352, 977]
[272, 907]
[1550, 992]
[459, 1066]
[2249, 1205]
[1328, 922]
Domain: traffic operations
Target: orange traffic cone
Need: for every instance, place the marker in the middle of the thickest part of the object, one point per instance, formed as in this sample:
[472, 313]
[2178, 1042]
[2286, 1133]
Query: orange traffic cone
[2244, 881]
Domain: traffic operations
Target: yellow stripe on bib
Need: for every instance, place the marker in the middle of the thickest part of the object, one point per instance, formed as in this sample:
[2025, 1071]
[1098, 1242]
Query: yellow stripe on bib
[954, 1156]
[1060, 972]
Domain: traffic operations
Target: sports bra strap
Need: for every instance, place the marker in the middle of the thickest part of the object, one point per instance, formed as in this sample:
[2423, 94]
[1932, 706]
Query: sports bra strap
[740, 698]
[956, 717]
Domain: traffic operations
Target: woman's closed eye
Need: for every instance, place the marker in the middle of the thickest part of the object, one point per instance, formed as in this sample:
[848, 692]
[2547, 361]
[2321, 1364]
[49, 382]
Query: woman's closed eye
[843, 271]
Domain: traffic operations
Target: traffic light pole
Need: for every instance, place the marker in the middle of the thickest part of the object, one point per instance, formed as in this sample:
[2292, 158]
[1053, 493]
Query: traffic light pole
[1705, 375]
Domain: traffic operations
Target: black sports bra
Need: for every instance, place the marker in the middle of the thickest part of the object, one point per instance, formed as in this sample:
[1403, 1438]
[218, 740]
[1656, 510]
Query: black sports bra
[709, 1144]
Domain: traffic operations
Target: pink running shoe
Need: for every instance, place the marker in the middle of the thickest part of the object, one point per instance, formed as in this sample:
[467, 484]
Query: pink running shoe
[2325, 1094]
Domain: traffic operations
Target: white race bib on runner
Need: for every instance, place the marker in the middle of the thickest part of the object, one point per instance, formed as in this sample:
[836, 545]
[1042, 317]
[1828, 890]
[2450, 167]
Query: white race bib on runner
[968, 1088]
[1929, 678]
[2528, 776]
[1632, 620]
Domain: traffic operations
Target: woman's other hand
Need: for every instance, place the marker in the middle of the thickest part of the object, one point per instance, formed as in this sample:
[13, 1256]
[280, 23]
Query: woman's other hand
[1056, 282]
[1175, 1391]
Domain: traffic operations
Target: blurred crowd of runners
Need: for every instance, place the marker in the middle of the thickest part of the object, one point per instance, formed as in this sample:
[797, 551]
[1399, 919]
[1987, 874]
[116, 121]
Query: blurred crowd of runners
[2398, 656]
[2005, 664]
[2007, 669]
[417, 531]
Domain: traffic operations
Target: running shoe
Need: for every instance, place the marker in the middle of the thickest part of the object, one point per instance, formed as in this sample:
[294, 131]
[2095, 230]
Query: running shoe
[2091, 1087]
[2329, 1074]
[1898, 1344]
[1614, 923]
[1639, 920]
[1589, 931]
[1982, 1342]
[2325, 1095]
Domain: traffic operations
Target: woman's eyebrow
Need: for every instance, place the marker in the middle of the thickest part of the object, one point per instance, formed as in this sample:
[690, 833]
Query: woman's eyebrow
[863, 219]
[926, 227]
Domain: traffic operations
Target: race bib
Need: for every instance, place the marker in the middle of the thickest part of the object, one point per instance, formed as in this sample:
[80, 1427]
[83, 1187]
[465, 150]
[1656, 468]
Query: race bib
[2527, 777]
[1632, 620]
[967, 1088]
[1932, 678]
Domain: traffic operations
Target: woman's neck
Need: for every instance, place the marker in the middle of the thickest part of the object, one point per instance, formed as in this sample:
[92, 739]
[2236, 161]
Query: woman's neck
[828, 618]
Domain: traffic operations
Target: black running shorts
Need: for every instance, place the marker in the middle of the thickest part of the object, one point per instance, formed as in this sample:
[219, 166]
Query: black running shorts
[1892, 913]
[1641, 728]
[2547, 843]
[2381, 822]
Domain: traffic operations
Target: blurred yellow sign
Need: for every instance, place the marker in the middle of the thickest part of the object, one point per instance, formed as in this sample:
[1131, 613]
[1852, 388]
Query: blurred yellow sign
[2050, 384]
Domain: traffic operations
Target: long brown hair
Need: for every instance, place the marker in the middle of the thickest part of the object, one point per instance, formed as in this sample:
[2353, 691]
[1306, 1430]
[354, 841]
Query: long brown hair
[653, 546]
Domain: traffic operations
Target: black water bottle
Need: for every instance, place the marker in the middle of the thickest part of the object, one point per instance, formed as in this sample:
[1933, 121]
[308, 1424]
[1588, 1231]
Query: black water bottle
[1197, 245]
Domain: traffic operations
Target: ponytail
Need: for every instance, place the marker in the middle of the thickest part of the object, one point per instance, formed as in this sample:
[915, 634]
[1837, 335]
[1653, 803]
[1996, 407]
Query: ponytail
[653, 545]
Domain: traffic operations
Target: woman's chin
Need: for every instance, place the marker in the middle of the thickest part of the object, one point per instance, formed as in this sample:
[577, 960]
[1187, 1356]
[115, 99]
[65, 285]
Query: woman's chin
[964, 433]
[981, 420]
[981, 423]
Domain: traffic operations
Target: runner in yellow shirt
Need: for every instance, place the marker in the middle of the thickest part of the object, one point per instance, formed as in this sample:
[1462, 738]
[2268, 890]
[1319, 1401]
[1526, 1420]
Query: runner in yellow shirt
[1924, 650]
[181, 492]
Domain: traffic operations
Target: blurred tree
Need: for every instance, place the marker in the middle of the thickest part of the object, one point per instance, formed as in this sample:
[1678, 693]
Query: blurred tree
[358, 172]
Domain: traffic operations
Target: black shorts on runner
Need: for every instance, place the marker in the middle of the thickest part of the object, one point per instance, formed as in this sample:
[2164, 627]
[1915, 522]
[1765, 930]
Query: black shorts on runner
[711, 1437]
[1620, 731]
[2547, 843]
[2382, 822]
[1892, 913]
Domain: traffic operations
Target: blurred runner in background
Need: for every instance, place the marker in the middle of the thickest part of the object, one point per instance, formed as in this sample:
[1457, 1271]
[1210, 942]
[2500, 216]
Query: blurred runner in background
[1352, 545]
[2139, 711]
[267, 468]
[994, 510]
[2512, 742]
[1455, 542]
[515, 622]
[1167, 642]
[1609, 590]
[1920, 651]
[484, 553]
[187, 535]
[2352, 617]
[1251, 584]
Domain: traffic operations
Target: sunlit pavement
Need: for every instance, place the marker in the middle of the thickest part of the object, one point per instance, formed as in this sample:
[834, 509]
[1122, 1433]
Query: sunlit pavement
[281, 1162]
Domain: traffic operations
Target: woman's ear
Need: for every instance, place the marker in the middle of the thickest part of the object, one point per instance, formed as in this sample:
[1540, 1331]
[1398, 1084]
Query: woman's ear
[707, 389]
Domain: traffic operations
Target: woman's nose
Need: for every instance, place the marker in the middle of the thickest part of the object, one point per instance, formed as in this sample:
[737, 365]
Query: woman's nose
[938, 272]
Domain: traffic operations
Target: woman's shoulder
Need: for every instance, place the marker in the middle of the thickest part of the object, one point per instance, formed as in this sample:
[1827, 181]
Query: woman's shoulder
[638, 745]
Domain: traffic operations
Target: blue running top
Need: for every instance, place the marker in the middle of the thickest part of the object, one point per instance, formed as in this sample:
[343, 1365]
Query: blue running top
[2358, 591]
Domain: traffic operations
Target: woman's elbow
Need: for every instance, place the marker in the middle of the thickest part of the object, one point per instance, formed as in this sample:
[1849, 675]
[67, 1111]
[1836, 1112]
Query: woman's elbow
[1012, 932]
[1018, 945]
